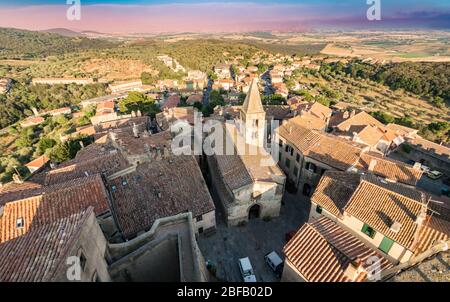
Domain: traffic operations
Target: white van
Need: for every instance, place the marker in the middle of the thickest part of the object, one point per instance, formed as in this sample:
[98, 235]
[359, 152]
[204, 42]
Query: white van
[246, 270]
[274, 262]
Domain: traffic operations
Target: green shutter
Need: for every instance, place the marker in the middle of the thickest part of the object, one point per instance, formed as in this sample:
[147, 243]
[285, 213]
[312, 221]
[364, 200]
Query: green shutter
[386, 245]
[366, 229]
[319, 209]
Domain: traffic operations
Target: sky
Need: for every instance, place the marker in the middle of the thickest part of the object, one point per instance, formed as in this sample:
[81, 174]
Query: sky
[157, 16]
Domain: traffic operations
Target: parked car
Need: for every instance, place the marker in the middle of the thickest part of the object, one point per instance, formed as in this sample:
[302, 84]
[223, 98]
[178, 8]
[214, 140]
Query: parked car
[246, 270]
[434, 174]
[274, 262]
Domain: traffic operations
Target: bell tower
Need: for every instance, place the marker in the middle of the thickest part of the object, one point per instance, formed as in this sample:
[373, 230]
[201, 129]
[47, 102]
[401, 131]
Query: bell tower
[253, 117]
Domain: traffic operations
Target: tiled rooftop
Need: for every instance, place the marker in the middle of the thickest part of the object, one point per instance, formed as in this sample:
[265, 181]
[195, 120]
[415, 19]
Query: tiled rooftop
[105, 164]
[380, 205]
[157, 189]
[55, 202]
[36, 255]
[322, 251]
[389, 169]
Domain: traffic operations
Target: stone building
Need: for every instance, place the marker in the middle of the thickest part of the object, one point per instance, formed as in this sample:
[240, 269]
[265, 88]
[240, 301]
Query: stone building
[249, 184]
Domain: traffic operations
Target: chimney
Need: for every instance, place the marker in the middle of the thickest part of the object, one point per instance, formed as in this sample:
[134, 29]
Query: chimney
[139, 113]
[355, 136]
[135, 130]
[354, 269]
[395, 227]
[35, 112]
[81, 144]
[17, 179]
[372, 164]
[345, 115]
[421, 217]
[352, 113]
[113, 136]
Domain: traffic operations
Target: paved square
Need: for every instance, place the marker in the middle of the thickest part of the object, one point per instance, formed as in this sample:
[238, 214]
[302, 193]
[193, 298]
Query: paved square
[253, 240]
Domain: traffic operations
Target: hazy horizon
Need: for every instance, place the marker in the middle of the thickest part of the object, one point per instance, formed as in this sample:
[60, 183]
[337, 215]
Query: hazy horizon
[163, 16]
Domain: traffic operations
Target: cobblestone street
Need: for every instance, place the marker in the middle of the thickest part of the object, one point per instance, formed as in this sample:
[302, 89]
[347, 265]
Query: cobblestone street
[253, 240]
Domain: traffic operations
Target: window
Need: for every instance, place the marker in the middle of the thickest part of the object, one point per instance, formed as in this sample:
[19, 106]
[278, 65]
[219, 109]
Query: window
[292, 151]
[200, 230]
[386, 245]
[311, 167]
[296, 171]
[368, 231]
[280, 143]
[297, 158]
[199, 218]
[288, 162]
[82, 260]
[286, 148]
[20, 223]
[319, 209]
[322, 171]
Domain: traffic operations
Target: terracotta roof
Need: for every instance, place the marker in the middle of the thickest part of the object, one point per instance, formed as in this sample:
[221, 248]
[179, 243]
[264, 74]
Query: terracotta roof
[380, 204]
[331, 150]
[105, 164]
[105, 107]
[335, 190]
[309, 121]
[322, 251]
[431, 232]
[54, 203]
[301, 137]
[157, 189]
[278, 112]
[389, 169]
[149, 144]
[171, 102]
[32, 121]
[37, 255]
[402, 130]
[430, 146]
[243, 167]
[370, 135]
[15, 191]
[316, 109]
[38, 162]
[141, 121]
[195, 98]
[169, 116]
[252, 103]
[359, 119]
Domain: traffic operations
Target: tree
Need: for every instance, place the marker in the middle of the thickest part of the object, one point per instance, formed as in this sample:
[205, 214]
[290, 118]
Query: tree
[383, 117]
[44, 144]
[138, 101]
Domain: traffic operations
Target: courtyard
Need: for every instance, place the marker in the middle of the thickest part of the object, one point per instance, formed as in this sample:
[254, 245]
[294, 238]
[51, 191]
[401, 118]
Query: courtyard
[254, 240]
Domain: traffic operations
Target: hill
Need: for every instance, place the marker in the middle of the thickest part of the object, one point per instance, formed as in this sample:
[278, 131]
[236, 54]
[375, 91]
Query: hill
[63, 32]
[23, 44]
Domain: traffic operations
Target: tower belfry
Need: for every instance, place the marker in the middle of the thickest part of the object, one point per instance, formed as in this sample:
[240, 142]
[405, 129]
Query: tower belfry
[253, 116]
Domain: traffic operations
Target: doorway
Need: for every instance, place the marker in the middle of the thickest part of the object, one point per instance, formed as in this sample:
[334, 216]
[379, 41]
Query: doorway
[254, 211]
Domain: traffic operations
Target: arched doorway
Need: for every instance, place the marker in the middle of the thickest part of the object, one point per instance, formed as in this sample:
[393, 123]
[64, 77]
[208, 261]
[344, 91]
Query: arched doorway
[254, 211]
[307, 190]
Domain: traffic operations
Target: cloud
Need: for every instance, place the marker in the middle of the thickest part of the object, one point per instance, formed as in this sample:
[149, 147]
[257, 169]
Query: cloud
[197, 17]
